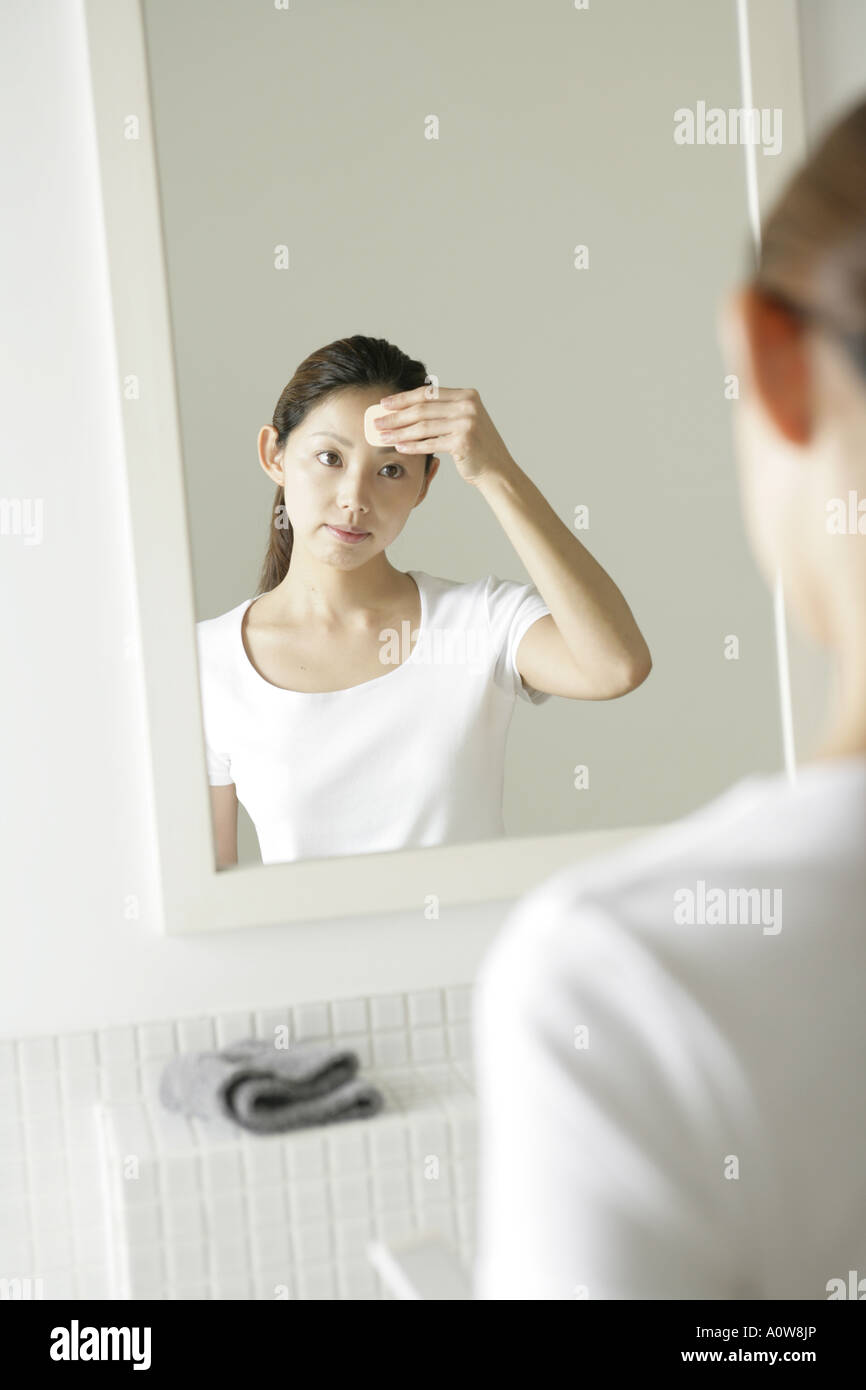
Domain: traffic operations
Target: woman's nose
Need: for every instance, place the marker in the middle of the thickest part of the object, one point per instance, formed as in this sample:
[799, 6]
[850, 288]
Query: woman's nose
[352, 492]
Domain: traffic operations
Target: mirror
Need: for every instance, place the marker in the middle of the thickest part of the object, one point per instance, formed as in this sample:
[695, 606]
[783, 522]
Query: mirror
[499, 197]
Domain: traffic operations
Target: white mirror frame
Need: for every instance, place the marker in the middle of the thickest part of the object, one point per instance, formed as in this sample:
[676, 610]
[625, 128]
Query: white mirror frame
[195, 895]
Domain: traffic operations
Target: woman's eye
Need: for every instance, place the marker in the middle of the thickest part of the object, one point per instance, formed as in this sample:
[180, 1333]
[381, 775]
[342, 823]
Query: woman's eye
[324, 453]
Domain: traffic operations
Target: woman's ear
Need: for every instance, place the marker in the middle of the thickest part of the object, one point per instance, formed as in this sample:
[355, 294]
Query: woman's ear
[775, 342]
[267, 449]
[434, 466]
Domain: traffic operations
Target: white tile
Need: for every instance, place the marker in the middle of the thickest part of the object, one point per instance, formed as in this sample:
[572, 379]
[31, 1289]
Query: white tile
[346, 1148]
[222, 1169]
[350, 1196]
[129, 1129]
[313, 1242]
[145, 1269]
[8, 1062]
[387, 1011]
[466, 1217]
[349, 1016]
[185, 1220]
[88, 1244]
[357, 1281]
[441, 1220]
[47, 1175]
[80, 1088]
[390, 1049]
[94, 1282]
[52, 1247]
[465, 1180]
[271, 1244]
[458, 1003]
[316, 1283]
[196, 1035]
[274, 1283]
[460, 1041]
[394, 1224]
[464, 1130]
[226, 1217]
[45, 1133]
[120, 1082]
[228, 1255]
[388, 1141]
[310, 1021]
[425, 1006]
[36, 1056]
[427, 1044]
[351, 1237]
[231, 1287]
[196, 1291]
[139, 1188]
[172, 1132]
[11, 1104]
[267, 1206]
[77, 1052]
[273, 1023]
[186, 1262]
[17, 1254]
[155, 1040]
[62, 1284]
[391, 1188]
[143, 1225]
[432, 1183]
[40, 1091]
[429, 1135]
[179, 1177]
[11, 1138]
[84, 1173]
[305, 1156]
[80, 1124]
[308, 1203]
[231, 1027]
[263, 1163]
[117, 1046]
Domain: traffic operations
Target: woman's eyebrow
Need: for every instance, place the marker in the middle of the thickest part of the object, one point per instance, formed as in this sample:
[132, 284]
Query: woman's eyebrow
[328, 434]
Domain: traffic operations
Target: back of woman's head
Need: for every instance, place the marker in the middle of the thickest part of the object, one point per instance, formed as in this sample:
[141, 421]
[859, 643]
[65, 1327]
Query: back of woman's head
[347, 362]
[796, 334]
[813, 243]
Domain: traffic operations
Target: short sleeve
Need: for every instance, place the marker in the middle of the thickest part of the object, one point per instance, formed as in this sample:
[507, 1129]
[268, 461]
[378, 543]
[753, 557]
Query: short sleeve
[607, 1101]
[218, 767]
[217, 760]
[511, 609]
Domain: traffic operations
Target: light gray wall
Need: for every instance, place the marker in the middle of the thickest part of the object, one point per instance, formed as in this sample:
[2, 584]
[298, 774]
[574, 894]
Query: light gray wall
[75, 843]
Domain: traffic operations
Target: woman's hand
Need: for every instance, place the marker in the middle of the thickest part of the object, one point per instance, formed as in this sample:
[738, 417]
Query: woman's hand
[448, 418]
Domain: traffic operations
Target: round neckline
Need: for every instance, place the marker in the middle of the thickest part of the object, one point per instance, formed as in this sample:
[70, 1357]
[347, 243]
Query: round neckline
[282, 690]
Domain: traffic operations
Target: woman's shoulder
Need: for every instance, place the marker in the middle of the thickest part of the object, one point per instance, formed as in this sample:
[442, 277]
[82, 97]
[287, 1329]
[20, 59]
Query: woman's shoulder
[459, 590]
[497, 601]
[215, 636]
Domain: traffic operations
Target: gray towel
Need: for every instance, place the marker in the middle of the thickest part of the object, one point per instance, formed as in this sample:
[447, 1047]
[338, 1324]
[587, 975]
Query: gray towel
[269, 1089]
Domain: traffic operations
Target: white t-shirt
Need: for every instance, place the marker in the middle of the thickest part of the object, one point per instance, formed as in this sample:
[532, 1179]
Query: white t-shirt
[705, 1138]
[412, 758]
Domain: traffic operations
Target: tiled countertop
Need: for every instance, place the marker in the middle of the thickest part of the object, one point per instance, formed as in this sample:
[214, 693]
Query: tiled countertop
[205, 1209]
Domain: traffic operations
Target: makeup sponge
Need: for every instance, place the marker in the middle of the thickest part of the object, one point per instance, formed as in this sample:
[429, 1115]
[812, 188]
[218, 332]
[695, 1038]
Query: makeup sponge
[371, 434]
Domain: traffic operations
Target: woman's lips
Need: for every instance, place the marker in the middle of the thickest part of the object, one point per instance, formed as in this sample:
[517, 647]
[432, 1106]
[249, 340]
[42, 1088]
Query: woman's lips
[351, 536]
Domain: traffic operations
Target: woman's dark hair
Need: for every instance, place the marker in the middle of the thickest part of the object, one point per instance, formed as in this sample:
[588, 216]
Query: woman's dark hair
[355, 361]
[813, 244]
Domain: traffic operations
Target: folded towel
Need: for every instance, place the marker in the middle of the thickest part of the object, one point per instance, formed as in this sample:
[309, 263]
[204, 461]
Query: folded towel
[269, 1089]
